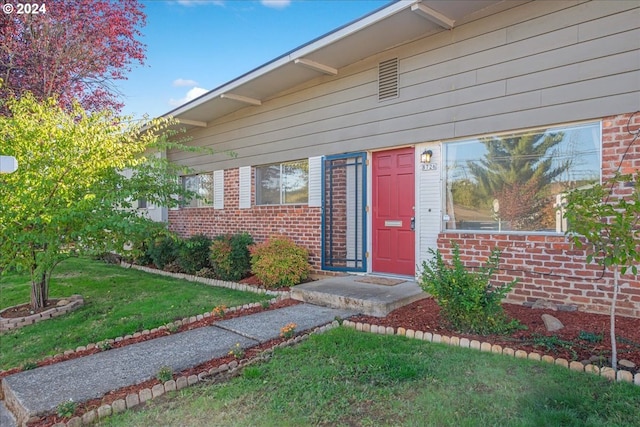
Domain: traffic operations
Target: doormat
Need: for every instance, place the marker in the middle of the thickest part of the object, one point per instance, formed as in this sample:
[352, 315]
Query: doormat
[380, 281]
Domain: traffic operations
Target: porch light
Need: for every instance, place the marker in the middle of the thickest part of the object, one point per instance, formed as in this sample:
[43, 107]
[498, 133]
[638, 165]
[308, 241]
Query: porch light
[425, 157]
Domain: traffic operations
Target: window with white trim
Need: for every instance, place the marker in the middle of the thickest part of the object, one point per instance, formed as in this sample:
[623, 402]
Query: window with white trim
[202, 185]
[283, 183]
[516, 182]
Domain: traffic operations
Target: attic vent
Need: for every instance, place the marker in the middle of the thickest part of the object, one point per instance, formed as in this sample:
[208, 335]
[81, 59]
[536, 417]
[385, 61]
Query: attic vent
[388, 79]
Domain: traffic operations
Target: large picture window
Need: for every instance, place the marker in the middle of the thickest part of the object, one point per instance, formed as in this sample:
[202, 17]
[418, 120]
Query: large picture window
[202, 185]
[283, 183]
[517, 182]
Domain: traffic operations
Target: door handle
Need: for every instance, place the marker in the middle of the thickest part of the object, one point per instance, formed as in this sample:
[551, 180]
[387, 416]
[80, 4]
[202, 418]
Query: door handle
[413, 223]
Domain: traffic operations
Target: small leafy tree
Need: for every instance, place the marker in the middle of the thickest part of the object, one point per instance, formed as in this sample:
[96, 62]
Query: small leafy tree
[605, 218]
[69, 195]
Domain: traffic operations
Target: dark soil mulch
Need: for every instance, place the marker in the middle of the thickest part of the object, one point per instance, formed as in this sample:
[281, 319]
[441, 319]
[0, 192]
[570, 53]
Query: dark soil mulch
[424, 315]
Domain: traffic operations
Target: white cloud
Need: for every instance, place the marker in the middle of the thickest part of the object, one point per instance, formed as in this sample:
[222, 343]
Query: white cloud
[276, 4]
[184, 82]
[193, 93]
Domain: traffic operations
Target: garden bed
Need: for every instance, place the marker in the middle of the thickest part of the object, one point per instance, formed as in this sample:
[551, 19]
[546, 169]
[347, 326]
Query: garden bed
[584, 337]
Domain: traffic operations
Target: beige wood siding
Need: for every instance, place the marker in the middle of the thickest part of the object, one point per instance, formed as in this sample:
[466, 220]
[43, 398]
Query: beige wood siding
[540, 63]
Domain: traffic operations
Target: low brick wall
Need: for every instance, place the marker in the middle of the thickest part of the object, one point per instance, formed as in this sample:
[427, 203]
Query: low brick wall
[547, 267]
[8, 323]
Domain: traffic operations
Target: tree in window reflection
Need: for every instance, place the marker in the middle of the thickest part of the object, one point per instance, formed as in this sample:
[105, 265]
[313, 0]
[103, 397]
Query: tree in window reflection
[514, 178]
[284, 183]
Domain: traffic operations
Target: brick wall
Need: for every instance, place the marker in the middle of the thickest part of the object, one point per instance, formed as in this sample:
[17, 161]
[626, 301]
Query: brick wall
[299, 222]
[550, 266]
[547, 266]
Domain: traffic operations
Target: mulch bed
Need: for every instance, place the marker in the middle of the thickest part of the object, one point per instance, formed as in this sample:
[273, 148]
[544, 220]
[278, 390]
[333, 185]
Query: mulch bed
[424, 315]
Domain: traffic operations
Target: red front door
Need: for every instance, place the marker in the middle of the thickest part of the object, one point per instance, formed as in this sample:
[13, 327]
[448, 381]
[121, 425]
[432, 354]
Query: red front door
[393, 212]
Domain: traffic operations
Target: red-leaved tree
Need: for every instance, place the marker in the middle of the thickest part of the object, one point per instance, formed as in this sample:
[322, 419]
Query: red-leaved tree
[74, 49]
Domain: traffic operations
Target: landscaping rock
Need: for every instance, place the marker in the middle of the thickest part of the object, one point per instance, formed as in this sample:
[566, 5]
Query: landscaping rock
[62, 303]
[543, 304]
[599, 360]
[551, 323]
[627, 364]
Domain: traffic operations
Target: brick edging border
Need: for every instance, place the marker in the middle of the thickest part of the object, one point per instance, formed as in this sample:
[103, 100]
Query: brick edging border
[134, 399]
[607, 372]
[9, 323]
[211, 282]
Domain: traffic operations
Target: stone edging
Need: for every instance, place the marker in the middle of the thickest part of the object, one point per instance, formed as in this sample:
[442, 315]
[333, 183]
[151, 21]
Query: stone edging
[134, 399]
[207, 281]
[607, 372]
[166, 327]
[9, 323]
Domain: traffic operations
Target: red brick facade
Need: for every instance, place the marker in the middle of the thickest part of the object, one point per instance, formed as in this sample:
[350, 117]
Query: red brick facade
[299, 222]
[547, 266]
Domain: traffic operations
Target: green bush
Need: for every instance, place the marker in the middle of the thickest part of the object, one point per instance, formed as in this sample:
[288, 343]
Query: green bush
[230, 256]
[467, 300]
[164, 250]
[144, 257]
[193, 253]
[279, 262]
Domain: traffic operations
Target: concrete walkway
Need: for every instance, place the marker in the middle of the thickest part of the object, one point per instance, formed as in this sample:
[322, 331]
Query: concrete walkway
[39, 391]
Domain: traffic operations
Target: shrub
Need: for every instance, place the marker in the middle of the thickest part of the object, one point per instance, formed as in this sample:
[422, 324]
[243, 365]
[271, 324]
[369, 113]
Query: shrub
[230, 256]
[279, 262]
[207, 273]
[173, 267]
[164, 250]
[144, 253]
[193, 253]
[467, 300]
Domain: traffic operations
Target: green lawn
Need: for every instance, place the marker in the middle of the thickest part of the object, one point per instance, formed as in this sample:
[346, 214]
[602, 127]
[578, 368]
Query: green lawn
[118, 301]
[349, 378]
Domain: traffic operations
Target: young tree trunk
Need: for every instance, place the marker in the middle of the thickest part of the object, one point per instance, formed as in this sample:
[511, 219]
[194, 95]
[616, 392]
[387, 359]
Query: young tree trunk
[614, 347]
[39, 292]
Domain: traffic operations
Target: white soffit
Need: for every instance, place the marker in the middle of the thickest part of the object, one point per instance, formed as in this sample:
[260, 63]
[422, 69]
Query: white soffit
[383, 29]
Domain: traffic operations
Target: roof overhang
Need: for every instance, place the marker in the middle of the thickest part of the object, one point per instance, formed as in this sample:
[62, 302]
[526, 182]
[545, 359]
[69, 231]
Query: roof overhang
[385, 28]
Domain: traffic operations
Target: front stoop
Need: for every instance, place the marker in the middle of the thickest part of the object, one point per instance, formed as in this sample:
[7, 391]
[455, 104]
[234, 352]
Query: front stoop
[346, 293]
[6, 417]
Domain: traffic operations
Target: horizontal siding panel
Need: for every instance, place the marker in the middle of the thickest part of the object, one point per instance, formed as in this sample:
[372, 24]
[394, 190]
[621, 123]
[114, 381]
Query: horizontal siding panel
[603, 26]
[596, 88]
[614, 44]
[549, 115]
[480, 85]
[601, 67]
[501, 54]
[576, 15]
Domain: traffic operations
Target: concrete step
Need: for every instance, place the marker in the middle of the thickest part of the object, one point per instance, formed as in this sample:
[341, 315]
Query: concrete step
[6, 417]
[346, 292]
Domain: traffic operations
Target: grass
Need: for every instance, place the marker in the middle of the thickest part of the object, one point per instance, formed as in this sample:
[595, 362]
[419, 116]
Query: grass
[349, 378]
[118, 302]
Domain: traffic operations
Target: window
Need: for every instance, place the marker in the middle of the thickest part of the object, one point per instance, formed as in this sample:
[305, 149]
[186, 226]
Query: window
[283, 183]
[142, 203]
[202, 185]
[517, 182]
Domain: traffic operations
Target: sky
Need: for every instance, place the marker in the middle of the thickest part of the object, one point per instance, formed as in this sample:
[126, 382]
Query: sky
[194, 46]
